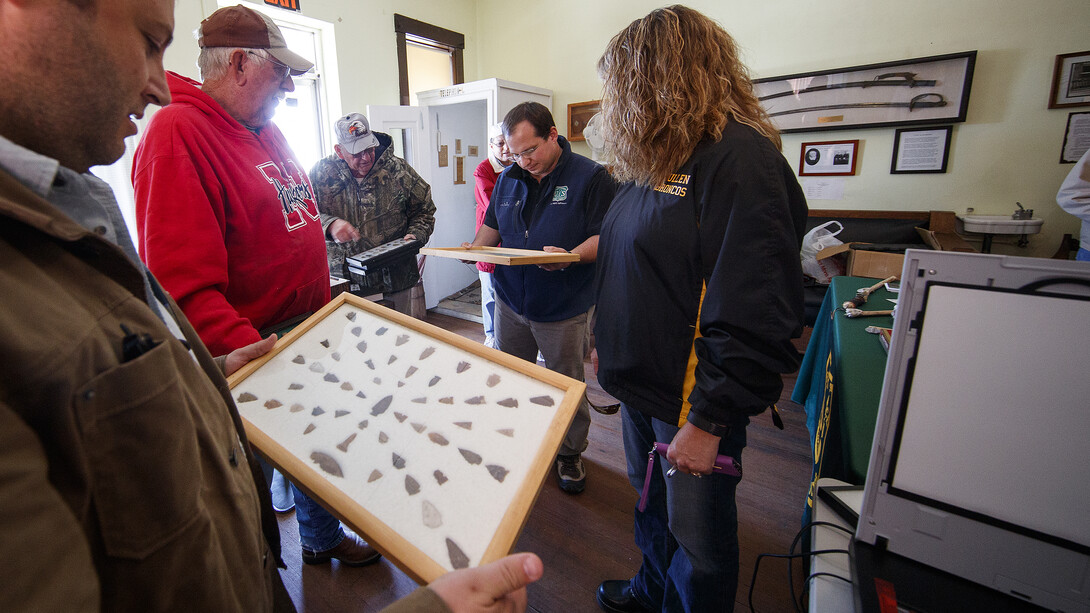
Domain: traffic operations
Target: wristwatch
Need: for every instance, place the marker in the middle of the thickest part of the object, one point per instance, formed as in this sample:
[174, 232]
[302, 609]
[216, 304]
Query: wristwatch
[707, 425]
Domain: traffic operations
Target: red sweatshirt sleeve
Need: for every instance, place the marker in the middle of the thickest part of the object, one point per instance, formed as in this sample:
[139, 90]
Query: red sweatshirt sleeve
[181, 228]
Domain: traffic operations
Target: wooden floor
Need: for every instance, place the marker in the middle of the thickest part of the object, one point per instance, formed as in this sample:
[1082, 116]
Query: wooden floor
[586, 539]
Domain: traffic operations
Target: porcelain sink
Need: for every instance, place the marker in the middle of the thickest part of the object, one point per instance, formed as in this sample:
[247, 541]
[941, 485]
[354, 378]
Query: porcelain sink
[998, 224]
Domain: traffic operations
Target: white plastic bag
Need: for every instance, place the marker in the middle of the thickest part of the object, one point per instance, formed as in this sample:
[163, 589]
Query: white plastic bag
[815, 240]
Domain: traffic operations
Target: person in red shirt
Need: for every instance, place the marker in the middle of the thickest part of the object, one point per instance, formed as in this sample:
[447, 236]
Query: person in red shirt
[499, 158]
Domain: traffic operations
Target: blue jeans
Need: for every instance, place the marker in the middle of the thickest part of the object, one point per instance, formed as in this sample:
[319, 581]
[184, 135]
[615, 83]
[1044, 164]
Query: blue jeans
[488, 303]
[688, 534]
[1083, 255]
[318, 530]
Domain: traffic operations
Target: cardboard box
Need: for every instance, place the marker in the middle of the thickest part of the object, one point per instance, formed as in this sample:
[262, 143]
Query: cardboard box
[945, 240]
[862, 263]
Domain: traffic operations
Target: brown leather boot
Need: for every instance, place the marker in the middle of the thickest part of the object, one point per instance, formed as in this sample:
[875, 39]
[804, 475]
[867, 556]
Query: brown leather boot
[351, 551]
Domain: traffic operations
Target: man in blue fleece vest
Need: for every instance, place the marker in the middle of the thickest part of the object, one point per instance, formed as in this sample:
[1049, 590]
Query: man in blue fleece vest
[551, 200]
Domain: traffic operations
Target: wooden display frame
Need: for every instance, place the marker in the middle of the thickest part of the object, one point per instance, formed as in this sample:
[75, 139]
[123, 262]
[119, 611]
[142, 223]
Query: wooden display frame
[504, 256]
[579, 113]
[489, 493]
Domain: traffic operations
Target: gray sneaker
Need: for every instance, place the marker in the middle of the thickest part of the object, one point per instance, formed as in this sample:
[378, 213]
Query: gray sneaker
[570, 470]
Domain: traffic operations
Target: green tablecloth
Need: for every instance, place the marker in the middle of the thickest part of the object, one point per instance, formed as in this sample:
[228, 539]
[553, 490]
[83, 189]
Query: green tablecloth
[840, 382]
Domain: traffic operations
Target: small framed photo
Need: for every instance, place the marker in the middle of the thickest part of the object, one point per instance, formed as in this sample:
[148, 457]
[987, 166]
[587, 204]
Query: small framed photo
[1070, 81]
[829, 158]
[921, 150]
[579, 113]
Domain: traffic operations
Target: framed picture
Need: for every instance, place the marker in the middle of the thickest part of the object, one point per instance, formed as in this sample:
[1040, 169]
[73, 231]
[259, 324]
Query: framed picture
[504, 256]
[1076, 137]
[919, 91]
[1070, 81]
[829, 158]
[921, 150]
[579, 113]
[431, 446]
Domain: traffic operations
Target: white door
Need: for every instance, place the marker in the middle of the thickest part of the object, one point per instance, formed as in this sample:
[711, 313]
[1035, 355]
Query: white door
[408, 126]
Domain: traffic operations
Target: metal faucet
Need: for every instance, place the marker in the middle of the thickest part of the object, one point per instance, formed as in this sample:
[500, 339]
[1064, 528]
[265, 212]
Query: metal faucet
[1022, 212]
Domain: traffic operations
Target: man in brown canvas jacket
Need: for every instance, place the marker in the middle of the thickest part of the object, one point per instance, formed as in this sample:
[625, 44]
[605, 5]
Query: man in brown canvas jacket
[126, 479]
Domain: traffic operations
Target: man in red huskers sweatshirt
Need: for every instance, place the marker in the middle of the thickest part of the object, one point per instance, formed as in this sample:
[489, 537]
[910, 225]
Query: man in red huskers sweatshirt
[227, 218]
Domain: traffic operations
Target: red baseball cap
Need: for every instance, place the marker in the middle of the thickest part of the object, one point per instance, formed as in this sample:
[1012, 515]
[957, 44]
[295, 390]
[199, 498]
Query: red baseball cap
[238, 26]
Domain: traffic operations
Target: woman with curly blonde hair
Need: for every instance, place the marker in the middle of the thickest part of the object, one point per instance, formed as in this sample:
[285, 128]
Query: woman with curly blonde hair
[700, 293]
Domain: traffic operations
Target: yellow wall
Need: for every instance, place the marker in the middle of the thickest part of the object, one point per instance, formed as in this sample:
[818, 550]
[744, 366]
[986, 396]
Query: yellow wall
[1007, 151]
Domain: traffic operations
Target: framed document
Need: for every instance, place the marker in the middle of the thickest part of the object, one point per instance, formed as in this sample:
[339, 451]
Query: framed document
[1076, 137]
[828, 158]
[431, 446]
[921, 150]
[503, 256]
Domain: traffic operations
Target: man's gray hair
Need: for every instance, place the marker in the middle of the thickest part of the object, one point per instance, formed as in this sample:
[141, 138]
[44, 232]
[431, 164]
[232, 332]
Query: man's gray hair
[212, 62]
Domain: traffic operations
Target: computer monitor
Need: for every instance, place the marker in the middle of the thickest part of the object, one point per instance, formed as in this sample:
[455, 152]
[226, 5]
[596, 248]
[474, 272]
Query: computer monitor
[980, 465]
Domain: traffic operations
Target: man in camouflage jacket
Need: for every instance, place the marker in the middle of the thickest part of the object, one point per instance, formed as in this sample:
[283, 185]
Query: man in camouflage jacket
[367, 197]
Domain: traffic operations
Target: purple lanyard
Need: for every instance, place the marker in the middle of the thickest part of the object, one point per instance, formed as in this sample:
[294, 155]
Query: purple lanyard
[724, 465]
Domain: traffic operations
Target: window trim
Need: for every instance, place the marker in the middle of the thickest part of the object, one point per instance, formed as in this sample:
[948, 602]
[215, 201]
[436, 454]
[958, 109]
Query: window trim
[441, 38]
[329, 82]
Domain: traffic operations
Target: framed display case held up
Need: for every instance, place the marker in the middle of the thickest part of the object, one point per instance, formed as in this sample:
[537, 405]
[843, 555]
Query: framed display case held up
[919, 91]
[504, 256]
[431, 446]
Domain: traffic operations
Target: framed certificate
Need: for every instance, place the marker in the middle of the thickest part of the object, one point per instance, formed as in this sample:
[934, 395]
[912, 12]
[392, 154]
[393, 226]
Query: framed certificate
[921, 150]
[431, 446]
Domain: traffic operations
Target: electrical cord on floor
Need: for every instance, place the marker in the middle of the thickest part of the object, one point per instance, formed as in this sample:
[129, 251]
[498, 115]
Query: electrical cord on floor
[798, 537]
[792, 555]
[806, 584]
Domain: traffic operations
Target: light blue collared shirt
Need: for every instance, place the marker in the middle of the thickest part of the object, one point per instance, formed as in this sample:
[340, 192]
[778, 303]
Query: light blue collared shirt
[85, 198]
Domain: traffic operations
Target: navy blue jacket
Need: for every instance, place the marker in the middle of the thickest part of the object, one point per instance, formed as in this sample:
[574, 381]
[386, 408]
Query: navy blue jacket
[564, 210]
[701, 284]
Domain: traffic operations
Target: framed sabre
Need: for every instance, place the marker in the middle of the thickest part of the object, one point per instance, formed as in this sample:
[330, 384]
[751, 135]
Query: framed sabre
[918, 91]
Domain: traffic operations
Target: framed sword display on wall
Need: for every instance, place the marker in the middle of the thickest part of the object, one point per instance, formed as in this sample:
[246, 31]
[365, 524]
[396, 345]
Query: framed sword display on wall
[920, 91]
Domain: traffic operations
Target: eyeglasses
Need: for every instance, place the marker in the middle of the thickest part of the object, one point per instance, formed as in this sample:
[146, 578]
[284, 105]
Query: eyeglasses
[281, 68]
[528, 153]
